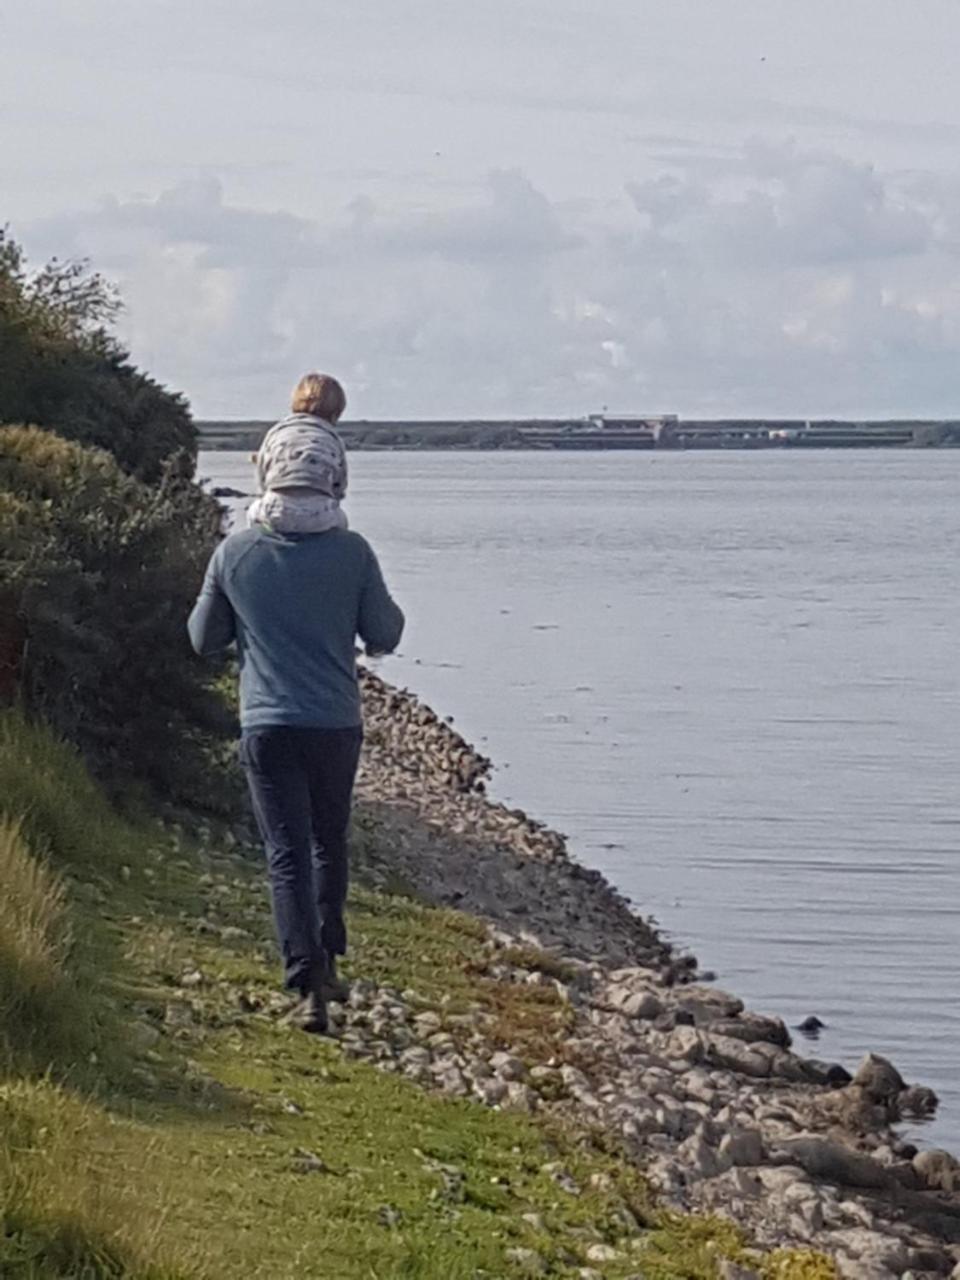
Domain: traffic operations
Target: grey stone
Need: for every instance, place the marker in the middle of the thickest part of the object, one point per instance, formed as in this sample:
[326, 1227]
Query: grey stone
[305, 1161]
[780, 1179]
[143, 1036]
[425, 1023]
[700, 1158]
[699, 1085]
[562, 1177]
[753, 1028]
[668, 1120]
[634, 1004]
[938, 1170]
[735, 1055]
[879, 1078]
[687, 1044]
[742, 1147]
[709, 1003]
[830, 1161]
[178, 1014]
[573, 1077]
[491, 1092]
[528, 1260]
[827, 1073]
[602, 1253]
[507, 1066]
[728, 1270]
[450, 1080]
[388, 1216]
[918, 1100]
[872, 1249]
[521, 1097]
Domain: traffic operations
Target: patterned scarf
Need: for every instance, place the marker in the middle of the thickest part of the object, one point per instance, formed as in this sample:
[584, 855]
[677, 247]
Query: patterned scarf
[305, 454]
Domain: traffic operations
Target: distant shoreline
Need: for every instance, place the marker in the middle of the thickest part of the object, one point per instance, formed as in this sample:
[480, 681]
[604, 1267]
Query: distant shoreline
[601, 434]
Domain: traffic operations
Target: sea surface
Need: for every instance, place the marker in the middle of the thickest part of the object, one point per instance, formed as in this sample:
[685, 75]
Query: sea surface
[733, 679]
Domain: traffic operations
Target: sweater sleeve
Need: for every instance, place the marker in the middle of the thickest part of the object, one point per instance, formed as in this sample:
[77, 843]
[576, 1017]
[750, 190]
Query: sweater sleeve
[212, 625]
[380, 624]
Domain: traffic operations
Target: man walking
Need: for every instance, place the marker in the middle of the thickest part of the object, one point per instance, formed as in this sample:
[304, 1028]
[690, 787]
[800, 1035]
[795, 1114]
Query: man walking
[293, 592]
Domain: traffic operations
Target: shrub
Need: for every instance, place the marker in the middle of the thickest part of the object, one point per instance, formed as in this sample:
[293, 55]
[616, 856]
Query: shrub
[63, 370]
[97, 575]
[103, 539]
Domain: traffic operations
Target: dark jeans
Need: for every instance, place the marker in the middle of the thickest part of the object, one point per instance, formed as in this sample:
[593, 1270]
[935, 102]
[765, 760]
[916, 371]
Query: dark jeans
[301, 781]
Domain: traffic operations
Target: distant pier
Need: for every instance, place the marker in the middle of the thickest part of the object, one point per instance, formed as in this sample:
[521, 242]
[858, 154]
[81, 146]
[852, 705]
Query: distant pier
[610, 432]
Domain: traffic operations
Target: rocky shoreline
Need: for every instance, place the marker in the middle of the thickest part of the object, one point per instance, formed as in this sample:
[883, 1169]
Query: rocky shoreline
[710, 1099]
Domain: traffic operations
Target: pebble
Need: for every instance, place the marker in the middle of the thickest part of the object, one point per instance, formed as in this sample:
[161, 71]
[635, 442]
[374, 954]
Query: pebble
[491, 1092]
[938, 1170]
[528, 1259]
[728, 1270]
[143, 1036]
[308, 1162]
[878, 1078]
[562, 1177]
[507, 1067]
[742, 1147]
[602, 1253]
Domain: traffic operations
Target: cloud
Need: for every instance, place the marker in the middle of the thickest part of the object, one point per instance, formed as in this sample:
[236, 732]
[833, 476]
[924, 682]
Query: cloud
[782, 279]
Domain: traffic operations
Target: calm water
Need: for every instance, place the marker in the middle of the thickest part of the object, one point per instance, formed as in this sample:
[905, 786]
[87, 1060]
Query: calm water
[734, 681]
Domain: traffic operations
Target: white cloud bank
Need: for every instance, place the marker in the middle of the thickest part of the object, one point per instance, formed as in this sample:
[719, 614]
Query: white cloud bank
[771, 279]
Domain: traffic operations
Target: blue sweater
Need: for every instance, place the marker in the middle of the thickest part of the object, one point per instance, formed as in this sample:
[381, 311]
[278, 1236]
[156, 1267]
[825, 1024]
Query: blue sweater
[295, 604]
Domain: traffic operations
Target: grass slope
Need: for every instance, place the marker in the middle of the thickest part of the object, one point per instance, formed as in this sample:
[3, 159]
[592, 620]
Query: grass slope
[157, 1119]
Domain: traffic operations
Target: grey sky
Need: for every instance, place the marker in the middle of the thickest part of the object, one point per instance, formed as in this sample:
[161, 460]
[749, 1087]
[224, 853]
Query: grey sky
[518, 206]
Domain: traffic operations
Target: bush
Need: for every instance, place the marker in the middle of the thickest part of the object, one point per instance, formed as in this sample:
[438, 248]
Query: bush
[63, 370]
[103, 539]
[97, 575]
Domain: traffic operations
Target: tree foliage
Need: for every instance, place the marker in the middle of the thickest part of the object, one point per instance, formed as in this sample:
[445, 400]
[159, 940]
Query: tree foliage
[104, 538]
[61, 368]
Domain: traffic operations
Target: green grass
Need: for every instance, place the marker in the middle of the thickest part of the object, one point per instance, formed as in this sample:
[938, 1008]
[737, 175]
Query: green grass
[154, 1130]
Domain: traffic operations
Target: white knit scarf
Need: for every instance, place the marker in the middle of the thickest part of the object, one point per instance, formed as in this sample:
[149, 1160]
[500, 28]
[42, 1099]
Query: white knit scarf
[297, 512]
[302, 469]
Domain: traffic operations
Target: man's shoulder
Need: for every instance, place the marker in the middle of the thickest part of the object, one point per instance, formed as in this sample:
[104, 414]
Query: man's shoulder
[240, 539]
[235, 546]
[350, 538]
[338, 546]
[346, 543]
